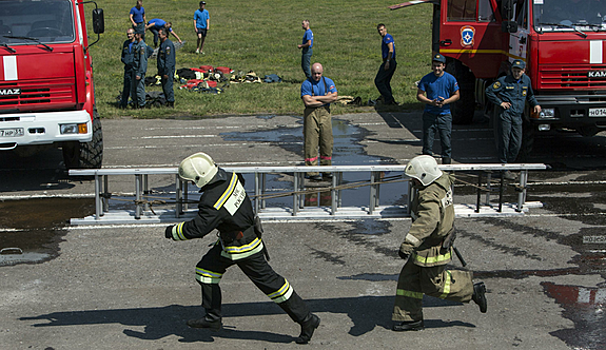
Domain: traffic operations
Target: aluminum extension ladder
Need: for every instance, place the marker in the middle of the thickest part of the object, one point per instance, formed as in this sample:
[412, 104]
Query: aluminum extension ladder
[174, 207]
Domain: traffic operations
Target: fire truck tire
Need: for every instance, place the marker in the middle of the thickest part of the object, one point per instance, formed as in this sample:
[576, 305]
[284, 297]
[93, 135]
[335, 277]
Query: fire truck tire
[85, 155]
[464, 109]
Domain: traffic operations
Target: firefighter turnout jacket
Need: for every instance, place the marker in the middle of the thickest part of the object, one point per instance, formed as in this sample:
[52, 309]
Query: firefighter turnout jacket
[224, 206]
[432, 213]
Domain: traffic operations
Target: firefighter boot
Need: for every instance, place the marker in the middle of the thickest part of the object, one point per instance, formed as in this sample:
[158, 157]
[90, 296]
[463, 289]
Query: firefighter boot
[209, 321]
[408, 326]
[479, 296]
[308, 326]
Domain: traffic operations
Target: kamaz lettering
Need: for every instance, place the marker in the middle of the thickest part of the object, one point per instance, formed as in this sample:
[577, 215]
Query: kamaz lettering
[597, 74]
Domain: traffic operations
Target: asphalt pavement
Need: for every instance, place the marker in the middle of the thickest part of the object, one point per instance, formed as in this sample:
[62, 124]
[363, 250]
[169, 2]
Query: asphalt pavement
[127, 287]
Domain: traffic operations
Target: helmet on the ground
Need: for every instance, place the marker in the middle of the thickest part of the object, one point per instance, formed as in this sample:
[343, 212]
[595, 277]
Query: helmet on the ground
[199, 168]
[423, 168]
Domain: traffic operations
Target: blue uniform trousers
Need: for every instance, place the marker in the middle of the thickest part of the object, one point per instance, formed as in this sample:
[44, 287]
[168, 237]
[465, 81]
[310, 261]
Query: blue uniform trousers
[127, 87]
[167, 87]
[442, 124]
[138, 91]
[383, 81]
[306, 61]
[509, 129]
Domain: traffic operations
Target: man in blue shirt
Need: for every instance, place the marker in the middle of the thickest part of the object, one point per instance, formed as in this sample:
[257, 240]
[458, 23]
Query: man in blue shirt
[317, 94]
[388, 67]
[137, 18]
[306, 48]
[156, 24]
[510, 94]
[201, 25]
[438, 90]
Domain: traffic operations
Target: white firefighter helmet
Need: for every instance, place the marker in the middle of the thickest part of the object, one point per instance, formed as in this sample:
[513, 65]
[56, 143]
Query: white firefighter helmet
[199, 168]
[423, 168]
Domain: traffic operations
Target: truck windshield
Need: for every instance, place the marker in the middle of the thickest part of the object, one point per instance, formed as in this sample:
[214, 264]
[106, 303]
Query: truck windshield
[47, 21]
[569, 15]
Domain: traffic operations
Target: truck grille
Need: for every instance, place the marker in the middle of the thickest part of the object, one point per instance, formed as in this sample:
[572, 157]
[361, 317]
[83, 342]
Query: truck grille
[571, 77]
[32, 94]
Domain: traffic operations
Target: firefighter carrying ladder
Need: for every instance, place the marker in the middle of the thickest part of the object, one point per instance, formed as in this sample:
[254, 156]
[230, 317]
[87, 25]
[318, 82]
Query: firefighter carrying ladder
[154, 206]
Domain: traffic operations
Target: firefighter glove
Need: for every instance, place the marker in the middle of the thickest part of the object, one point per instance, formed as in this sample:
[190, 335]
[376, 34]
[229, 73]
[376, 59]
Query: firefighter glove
[403, 255]
[168, 233]
[405, 250]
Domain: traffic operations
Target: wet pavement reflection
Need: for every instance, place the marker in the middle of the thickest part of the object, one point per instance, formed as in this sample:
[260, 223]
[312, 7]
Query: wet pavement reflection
[36, 227]
[347, 150]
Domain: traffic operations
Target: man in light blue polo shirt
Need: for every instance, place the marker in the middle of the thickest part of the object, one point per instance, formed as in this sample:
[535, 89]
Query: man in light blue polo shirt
[202, 25]
[306, 48]
[317, 94]
[438, 90]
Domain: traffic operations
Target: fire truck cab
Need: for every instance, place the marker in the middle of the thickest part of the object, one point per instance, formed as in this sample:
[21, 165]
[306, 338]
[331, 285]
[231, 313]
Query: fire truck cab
[47, 95]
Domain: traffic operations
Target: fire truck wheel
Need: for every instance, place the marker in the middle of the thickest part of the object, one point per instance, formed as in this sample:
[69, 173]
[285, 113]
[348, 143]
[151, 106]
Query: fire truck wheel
[85, 155]
[464, 109]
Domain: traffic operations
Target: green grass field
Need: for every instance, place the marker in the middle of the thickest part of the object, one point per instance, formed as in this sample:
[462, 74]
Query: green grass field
[262, 36]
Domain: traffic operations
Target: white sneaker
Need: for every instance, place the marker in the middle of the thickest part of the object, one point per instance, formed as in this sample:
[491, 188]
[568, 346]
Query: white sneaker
[197, 50]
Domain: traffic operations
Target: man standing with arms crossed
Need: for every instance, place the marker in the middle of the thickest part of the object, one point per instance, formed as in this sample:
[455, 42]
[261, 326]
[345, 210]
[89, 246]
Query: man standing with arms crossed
[128, 57]
[201, 25]
[388, 67]
[510, 94]
[438, 90]
[317, 94]
[306, 48]
[166, 66]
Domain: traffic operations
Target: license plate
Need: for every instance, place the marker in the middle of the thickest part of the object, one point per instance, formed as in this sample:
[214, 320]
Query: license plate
[11, 132]
[597, 112]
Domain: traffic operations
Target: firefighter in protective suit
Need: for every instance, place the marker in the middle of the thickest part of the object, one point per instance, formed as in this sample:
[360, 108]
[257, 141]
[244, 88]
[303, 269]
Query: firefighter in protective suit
[427, 248]
[225, 206]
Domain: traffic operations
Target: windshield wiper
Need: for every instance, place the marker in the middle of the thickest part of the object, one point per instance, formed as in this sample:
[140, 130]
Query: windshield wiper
[571, 26]
[8, 47]
[30, 39]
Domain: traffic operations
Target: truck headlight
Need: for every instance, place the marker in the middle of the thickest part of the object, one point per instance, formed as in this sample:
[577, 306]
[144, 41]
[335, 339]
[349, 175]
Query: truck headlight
[74, 129]
[547, 113]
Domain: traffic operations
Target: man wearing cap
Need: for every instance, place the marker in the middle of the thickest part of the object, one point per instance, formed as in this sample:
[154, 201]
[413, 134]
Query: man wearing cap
[388, 67]
[510, 94]
[438, 90]
[202, 25]
[306, 48]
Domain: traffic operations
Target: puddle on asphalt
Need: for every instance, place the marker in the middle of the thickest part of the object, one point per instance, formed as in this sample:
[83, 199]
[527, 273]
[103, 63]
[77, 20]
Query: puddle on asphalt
[585, 307]
[347, 150]
[31, 230]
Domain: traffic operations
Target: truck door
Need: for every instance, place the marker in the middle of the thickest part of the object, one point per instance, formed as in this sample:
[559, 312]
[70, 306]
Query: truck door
[518, 40]
[470, 32]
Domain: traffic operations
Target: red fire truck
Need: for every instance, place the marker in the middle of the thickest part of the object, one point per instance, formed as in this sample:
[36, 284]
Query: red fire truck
[562, 42]
[47, 96]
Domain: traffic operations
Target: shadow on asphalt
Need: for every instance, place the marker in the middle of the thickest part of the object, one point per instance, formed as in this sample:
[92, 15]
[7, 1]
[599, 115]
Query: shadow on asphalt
[365, 312]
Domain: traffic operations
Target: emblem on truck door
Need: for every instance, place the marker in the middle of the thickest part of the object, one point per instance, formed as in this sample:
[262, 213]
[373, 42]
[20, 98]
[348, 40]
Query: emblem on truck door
[10, 92]
[596, 74]
[467, 34]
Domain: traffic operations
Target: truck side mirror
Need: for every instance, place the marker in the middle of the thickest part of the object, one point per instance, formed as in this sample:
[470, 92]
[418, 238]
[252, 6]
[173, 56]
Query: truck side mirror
[509, 27]
[98, 21]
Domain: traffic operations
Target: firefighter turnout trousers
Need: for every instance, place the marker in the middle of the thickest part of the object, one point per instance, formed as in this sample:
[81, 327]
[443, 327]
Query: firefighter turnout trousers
[215, 263]
[317, 132]
[435, 281]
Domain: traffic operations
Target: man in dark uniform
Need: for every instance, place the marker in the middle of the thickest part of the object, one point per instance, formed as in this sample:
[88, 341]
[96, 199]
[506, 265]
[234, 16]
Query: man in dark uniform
[427, 249]
[510, 93]
[166, 66]
[140, 68]
[225, 206]
[128, 56]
